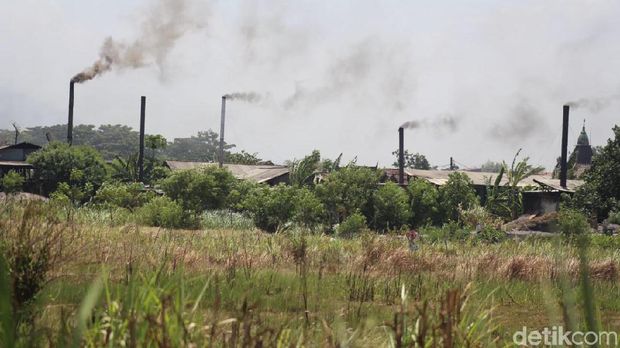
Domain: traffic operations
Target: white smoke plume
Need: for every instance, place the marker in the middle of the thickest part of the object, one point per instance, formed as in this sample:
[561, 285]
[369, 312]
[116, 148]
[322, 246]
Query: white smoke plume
[167, 22]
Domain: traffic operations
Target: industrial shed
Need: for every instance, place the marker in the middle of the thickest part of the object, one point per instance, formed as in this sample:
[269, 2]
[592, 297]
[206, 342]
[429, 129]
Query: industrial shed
[269, 174]
[13, 158]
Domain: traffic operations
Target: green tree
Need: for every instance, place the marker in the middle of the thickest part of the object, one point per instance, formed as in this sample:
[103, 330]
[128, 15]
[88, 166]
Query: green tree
[80, 166]
[203, 147]
[348, 190]
[518, 171]
[271, 208]
[457, 192]
[601, 192]
[199, 189]
[243, 158]
[309, 211]
[155, 142]
[391, 207]
[424, 198]
[302, 171]
[12, 182]
[415, 161]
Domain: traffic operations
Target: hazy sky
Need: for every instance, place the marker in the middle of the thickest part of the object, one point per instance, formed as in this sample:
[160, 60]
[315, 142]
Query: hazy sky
[483, 78]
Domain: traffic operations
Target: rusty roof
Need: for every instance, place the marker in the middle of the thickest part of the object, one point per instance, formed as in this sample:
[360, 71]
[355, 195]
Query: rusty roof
[257, 173]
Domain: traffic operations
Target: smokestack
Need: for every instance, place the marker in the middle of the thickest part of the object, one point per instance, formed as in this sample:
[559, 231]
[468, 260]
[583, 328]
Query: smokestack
[401, 156]
[563, 160]
[221, 154]
[141, 154]
[70, 121]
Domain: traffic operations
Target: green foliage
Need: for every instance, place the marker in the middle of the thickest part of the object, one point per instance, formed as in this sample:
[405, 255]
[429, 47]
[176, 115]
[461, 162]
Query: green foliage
[12, 182]
[415, 161]
[391, 207]
[348, 190]
[309, 211]
[450, 231]
[601, 192]
[243, 158]
[490, 234]
[457, 192]
[199, 189]
[271, 207]
[155, 142]
[80, 166]
[123, 195]
[302, 171]
[128, 169]
[517, 172]
[354, 224]
[573, 223]
[226, 219]
[425, 207]
[164, 212]
[203, 147]
[614, 217]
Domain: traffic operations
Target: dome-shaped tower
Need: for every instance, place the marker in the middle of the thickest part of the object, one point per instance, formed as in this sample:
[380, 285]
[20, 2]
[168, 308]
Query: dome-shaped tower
[583, 150]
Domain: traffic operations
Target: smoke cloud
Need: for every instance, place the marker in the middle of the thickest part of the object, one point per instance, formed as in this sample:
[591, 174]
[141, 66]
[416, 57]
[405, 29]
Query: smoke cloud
[445, 122]
[249, 97]
[166, 23]
[524, 121]
[594, 105]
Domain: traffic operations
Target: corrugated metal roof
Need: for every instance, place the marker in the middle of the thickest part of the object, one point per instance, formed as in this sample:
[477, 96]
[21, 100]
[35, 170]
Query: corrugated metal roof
[257, 173]
[440, 177]
[22, 145]
[21, 164]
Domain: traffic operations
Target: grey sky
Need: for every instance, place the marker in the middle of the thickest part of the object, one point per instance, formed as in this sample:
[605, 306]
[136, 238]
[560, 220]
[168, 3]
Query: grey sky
[338, 76]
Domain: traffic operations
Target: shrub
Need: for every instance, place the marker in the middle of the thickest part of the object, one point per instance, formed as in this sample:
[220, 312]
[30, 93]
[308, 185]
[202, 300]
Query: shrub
[122, 195]
[450, 231]
[309, 211]
[424, 198]
[614, 218]
[226, 219]
[199, 189]
[479, 216]
[81, 166]
[12, 182]
[573, 223]
[164, 212]
[271, 207]
[490, 234]
[348, 190]
[391, 207]
[352, 225]
[457, 192]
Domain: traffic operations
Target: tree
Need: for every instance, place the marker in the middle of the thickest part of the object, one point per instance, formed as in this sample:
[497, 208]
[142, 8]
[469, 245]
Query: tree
[391, 207]
[457, 192]
[243, 158]
[415, 161]
[515, 174]
[271, 207]
[199, 189]
[12, 182]
[309, 210]
[155, 142]
[204, 147]
[348, 190]
[80, 166]
[302, 171]
[424, 198]
[601, 192]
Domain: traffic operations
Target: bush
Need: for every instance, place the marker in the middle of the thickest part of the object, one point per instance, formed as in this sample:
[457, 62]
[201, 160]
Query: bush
[226, 219]
[80, 166]
[450, 231]
[490, 234]
[309, 211]
[352, 225]
[573, 223]
[424, 198]
[347, 191]
[122, 195]
[271, 207]
[164, 212]
[199, 189]
[457, 192]
[12, 182]
[479, 216]
[614, 218]
[391, 207]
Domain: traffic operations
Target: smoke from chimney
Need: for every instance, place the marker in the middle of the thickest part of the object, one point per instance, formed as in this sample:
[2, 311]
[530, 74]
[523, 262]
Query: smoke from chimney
[168, 21]
[444, 122]
[594, 104]
[250, 97]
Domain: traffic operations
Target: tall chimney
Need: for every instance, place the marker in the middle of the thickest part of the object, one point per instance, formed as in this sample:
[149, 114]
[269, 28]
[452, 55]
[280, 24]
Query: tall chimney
[401, 156]
[70, 121]
[221, 154]
[141, 153]
[563, 160]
